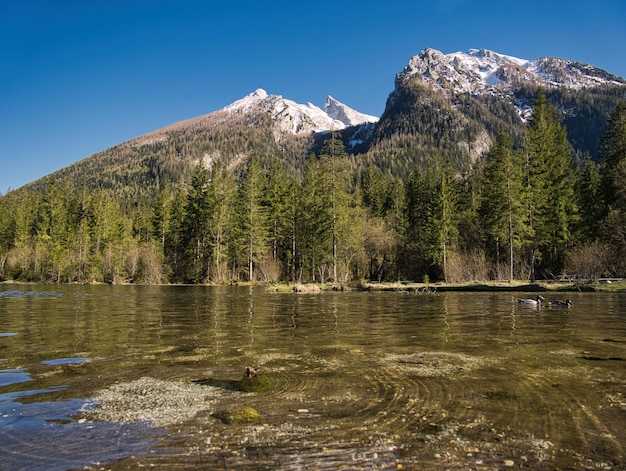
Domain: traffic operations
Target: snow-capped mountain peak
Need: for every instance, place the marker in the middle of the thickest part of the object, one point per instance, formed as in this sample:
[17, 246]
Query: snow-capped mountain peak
[295, 118]
[481, 70]
[337, 110]
[248, 102]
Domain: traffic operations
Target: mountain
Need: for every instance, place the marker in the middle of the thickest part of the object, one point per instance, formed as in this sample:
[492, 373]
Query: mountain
[484, 71]
[349, 117]
[259, 124]
[450, 105]
[443, 106]
[289, 116]
[480, 71]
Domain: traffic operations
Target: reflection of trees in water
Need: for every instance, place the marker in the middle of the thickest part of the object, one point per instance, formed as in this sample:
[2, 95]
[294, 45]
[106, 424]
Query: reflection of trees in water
[250, 315]
[445, 318]
[513, 322]
[446, 374]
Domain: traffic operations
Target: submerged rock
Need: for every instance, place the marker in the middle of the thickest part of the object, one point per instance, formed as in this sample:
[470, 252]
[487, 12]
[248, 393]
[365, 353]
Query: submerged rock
[245, 415]
[253, 381]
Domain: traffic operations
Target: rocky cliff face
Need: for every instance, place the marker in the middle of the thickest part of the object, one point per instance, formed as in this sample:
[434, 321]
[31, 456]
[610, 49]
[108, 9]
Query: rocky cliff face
[484, 71]
[295, 118]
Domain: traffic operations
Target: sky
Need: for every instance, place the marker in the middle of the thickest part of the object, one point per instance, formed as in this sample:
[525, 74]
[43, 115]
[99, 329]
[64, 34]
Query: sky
[80, 76]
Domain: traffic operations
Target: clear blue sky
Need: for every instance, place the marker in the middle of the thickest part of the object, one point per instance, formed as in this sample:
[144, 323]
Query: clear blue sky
[80, 76]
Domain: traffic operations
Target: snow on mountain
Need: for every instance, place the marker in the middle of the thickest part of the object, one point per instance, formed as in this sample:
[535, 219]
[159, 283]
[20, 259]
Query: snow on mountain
[572, 74]
[349, 117]
[481, 70]
[296, 118]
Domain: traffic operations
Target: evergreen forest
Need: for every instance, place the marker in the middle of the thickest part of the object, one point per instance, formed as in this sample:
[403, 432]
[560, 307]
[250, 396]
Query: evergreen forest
[529, 208]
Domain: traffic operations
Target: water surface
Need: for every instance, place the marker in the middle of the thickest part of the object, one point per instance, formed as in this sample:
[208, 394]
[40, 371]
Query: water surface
[359, 380]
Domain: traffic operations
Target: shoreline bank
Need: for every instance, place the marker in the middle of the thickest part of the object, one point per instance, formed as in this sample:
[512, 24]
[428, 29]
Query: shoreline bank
[402, 286]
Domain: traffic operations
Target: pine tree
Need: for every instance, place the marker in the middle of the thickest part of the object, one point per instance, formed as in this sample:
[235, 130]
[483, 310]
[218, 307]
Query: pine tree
[377, 191]
[442, 215]
[278, 195]
[83, 240]
[162, 212]
[591, 200]
[550, 188]
[222, 197]
[311, 225]
[613, 156]
[195, 226]
[252, 227]
[501, 207]
[431, 218]
[7, 229]
[174, 243]
[413, 231]
[337, 201]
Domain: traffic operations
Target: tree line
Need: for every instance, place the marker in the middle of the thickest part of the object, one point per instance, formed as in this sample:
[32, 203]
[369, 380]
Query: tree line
[525, 211]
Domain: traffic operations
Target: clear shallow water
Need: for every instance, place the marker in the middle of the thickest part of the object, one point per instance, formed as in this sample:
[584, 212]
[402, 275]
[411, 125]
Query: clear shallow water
[359, 380]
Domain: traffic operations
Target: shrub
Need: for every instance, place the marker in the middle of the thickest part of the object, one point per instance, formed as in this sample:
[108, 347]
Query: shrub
[590, 261]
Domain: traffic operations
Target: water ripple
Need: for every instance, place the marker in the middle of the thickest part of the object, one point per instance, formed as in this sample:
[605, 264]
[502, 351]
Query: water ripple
[18, 294]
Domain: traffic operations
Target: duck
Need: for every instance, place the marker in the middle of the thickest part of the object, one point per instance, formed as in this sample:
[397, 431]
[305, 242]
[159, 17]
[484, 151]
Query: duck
[251, 372]
[532, 302]
[558, 302]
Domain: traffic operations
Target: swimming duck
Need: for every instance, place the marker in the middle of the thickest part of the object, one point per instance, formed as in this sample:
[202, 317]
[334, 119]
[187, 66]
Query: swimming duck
[251, 372]
[558, 302]
[532, 302]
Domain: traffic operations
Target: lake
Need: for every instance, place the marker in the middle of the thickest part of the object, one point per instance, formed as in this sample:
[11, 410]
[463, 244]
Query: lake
[145, 376]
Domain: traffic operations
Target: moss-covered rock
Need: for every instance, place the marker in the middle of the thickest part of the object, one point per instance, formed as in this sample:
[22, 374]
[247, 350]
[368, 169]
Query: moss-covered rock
[244, 415]
[255, 383]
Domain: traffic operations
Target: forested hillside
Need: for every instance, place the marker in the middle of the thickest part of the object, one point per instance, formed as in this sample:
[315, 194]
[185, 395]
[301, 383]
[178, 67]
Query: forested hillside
[528, 207]
[135, 169]
[419, 125]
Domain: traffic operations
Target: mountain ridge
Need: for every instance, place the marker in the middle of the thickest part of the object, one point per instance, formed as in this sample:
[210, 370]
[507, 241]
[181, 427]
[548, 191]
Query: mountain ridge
[448, 105]
[300, 118]
[486, 70]
[482, 71]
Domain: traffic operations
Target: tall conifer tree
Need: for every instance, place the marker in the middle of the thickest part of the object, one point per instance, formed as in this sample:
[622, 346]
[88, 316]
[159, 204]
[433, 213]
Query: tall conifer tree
[337, 200]
[222, 197]
[591, 200]
[278, 194]
[313, 226]
[195, 225]
[442, 215]
[252, 231]
[613, 155]
[550, 187]
[501, 207]
[413, 258]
